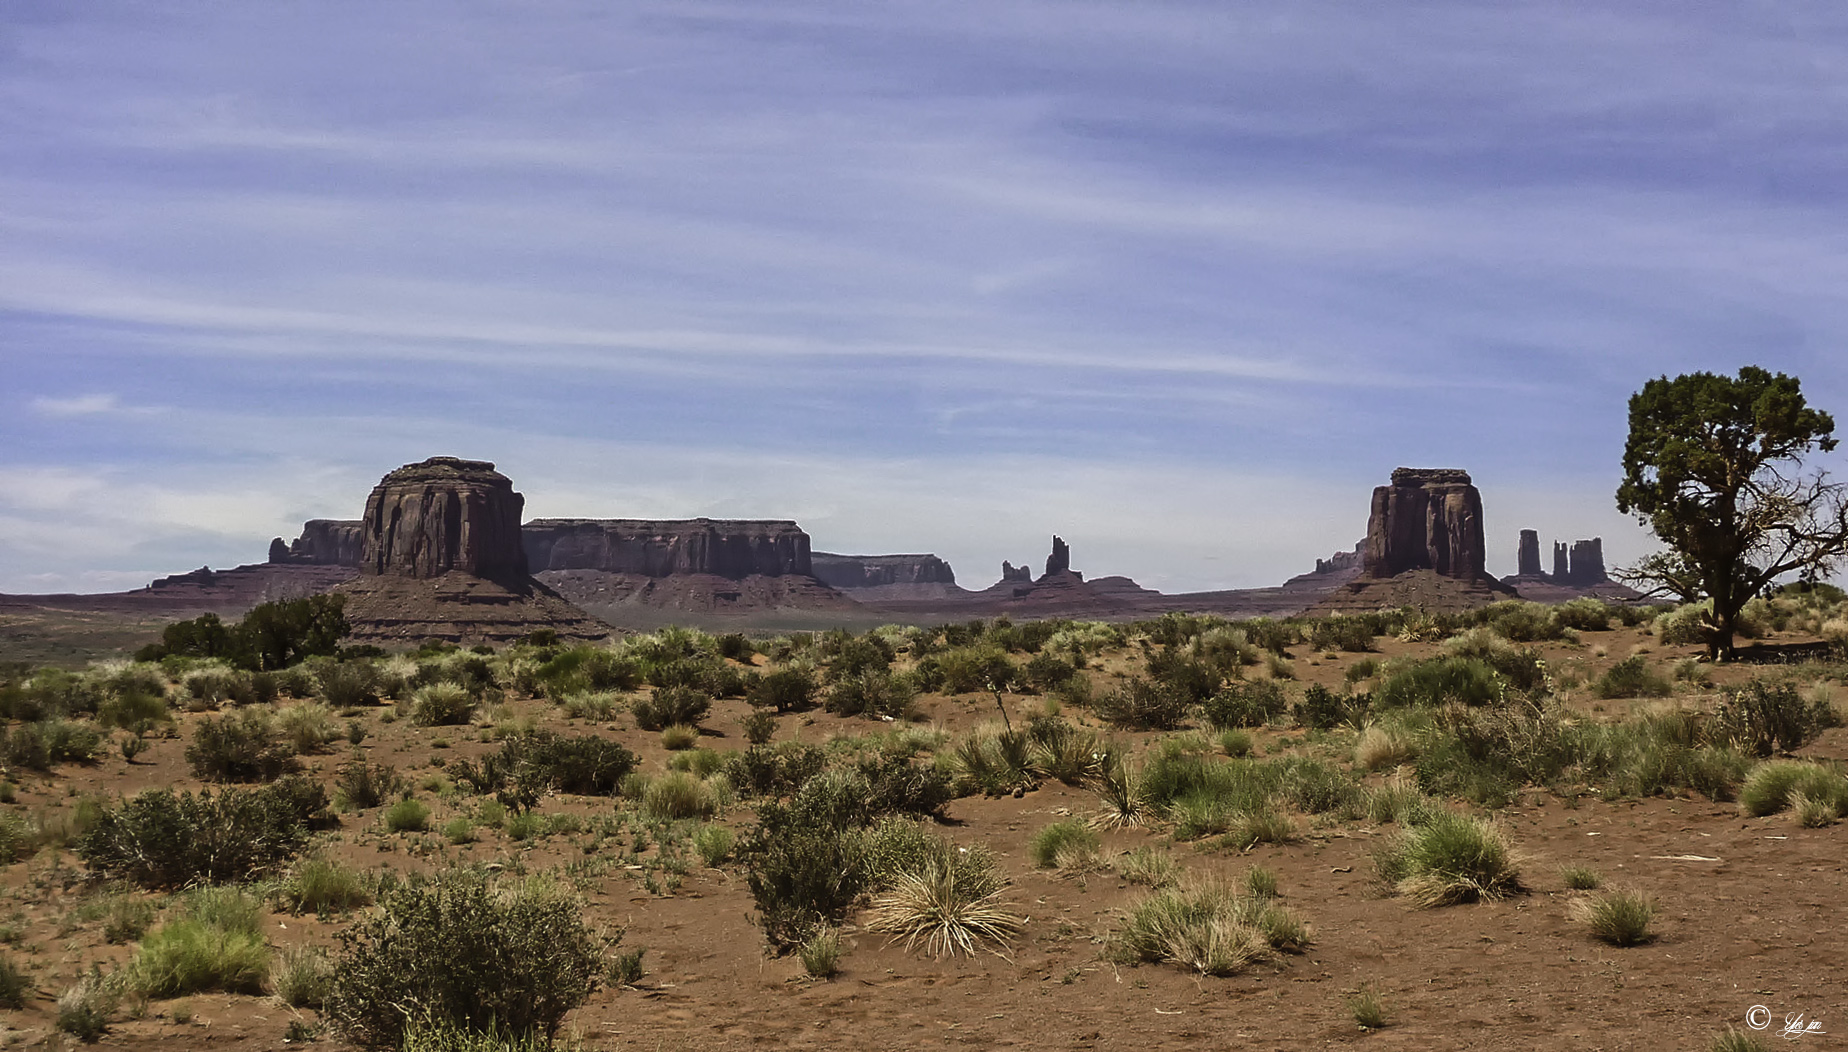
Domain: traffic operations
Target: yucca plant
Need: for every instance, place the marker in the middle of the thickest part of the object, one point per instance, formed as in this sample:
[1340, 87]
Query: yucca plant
[949, 904]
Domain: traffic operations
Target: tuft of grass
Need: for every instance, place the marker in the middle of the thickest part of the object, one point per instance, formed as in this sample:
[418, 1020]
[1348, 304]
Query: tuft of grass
[1580, 878]
[1769, 787]
[676, 795]
[1449, 859]
[302, 976]
[626, 968]
[1147, 865]
[1631, 678]
[714, 844]
[1382, 747]
[84, 1010]
[1261, 882]
[1208, 928]
[193, 956]
[407, 816]
[15, 986]
[1735, 1040]
[322, 886]
[821, 953]
[441, 704]
[949, 903]
[678, 736]
[1119, 792]
[1367, 1007]
[1812, 813]
[1620, 918]
[1235, 743]
[1068, 844]
[459, 830]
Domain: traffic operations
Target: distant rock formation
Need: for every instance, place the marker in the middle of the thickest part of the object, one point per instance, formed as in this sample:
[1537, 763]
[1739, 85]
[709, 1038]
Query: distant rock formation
[1010, 572]
[852, 573]
[1424, 548]
[1587, 564]
[1562, 569]
[442, 559]
[324, 542]
[1427, 519]
[1527, 556]
[1341, 562]
[730, 548]
[1060, 561]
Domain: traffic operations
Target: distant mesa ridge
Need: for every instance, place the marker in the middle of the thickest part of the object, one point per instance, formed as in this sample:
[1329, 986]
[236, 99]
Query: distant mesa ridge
[1424, 547]
[1580, 565]
[730, 548]
[850, 572]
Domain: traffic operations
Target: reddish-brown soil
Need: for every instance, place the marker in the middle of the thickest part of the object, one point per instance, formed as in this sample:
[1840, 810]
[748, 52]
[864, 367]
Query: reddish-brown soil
[1750, 915]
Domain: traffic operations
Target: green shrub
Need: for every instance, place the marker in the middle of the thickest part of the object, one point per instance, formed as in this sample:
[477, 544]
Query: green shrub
[360, 784]
[1245, 704]
[1192, 678]
[1353, 634]
[1631, 678]
[1448, 859]
[774, 770]
[161, 839]
[1143, 705]
[996, 762]
[1322, 709]
[407, 816]
[678, 737]
[241, 747]
[736, 647]
[1762, 718]
[760, 727]
[713, 843]
[456, 950]
[806, 860]
[1584, 614]
[348, 684]
[783, 690]
[671, 705]
[133, 709]
[873, 692]
[1367, 1007]
[1064, 751]
[1435, 681]
[441, 704]
[15, 985]
[1066, 844]
[307, 726]
[532, 763]
[1580, 878]
[1148, 866]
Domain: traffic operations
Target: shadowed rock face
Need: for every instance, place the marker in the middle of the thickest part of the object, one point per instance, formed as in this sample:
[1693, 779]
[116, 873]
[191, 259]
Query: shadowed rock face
[1428, 519]
[877, 571]
[1061, 558]
[324, 542]
[1527, 558]
[1586, 566]
[667, 547]
[444, 514]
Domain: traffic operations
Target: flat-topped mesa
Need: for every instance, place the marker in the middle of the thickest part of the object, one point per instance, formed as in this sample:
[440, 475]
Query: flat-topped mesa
[731, 548]
[444, 514]
[1010, 572]
[324, 542]
[879, 571]
[1428, 519]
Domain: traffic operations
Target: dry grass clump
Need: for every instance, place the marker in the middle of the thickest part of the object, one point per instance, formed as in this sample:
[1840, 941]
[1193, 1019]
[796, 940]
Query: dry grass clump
[1449, 859]
[1580, 878]
[1778, 784]
[1620, 918]
[948, 902]
[1065, 845]
[1207, 928]
[1382, 747]
[1147, 865]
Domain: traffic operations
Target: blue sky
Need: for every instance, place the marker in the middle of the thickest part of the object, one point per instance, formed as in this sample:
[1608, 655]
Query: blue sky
[1178, 281]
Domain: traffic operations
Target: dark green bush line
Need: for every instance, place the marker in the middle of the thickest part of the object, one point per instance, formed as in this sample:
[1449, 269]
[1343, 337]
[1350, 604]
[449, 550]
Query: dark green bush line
[163, 839]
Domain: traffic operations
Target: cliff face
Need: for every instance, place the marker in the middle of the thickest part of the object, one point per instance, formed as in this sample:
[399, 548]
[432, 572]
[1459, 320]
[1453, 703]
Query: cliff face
[878, 571]
[427, 519]
[667, 547]
[1427, 519]
[324, 542]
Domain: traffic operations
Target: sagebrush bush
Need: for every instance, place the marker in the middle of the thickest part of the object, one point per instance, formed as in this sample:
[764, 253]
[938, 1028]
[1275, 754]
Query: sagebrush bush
[670, 705]
[456, 949]
[86, 1008]
[1762, 718]
[1250, 703]
[302, 976]
[360, 784]
[307, 726]
[441, 704]
[240, 747]
[322, 886]
[15, 984]
[162, 839]
[42, 744]
[1432, 682]
[1143, 705]
[407, 816]
[1632, 678]
[536, 762]
[783, 690]
[677, 795]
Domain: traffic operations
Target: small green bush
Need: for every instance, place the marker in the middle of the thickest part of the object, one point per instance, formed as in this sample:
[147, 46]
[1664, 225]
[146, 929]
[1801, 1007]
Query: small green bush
[1631, 678]
[671, 705]
[1067, 844]
[760, 727]
[15, 985]
[783, 690]
[1620, 918]
[240, 747]
[303, 976]
[1208, 928]
[1762, 718]
[85, 1009]
[1580, 878]
[678, 795]
[1250, 703]
[949, 903]
[360, 784]
[457, 950]
[1770, 786]
[322, 886]
[161, 839]
[678, 737]
[441, 704]
[1143, 705]
[1468, 680]
[407, 816]
[217, 945]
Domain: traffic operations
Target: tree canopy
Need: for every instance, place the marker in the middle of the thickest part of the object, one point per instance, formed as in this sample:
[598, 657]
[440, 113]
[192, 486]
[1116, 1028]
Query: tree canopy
[1714, 467]
[273, 635]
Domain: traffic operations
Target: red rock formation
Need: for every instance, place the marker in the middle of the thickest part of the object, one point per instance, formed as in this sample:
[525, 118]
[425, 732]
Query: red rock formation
[1060, 561]
[444, 514]
[324, 542]
[733, 549]
[849, 572]
[1527, 557]
[1428, 519]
